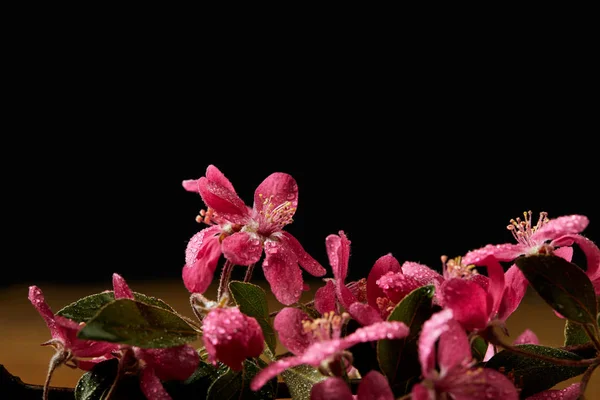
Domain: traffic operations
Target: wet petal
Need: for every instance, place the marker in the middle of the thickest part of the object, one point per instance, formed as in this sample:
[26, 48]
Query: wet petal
[501, 252]
[191, 185]
[121, 288]
[289, 325]
[277, 189]
[151, 386]
[432, 329]
[213, 174]
[565, 253]
[527, 337]
[282, 272]
[202, 256]
[374, 386]
[454, 348]
[382, 266]
[476, 384]
[174, 363]
[325, 298]
[557, 227]
[364, 314]
[468, 301]
[571, 392]
[331, 389]
[338, 251]
[225, 202]
[396, 285]
[311, 265]
[80, 347]
[496, 284]
[376, 331]
[421, 273]
[36, 297]
[514, 291]
[242, 248]
[589, 248]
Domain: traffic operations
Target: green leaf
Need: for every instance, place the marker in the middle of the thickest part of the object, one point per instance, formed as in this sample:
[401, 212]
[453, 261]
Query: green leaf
[478, 348]
[575, 334]
[87, 307]
[95, 384]
[399, 359]
[531, 374]
[300, 381]
[236, 384]
[252, 301]
[131, 322]
[563, 285]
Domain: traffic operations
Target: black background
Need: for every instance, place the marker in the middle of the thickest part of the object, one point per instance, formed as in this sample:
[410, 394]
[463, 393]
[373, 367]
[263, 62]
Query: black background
[420, 159]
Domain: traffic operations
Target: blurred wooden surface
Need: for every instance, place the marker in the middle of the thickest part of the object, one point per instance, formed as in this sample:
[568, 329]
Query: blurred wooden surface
[22, 329]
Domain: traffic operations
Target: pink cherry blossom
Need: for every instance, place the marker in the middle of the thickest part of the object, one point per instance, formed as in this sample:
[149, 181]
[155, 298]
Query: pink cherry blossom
[173, 363]
[456, 377]
[546, 237]
[327, 344]
[230, 336]
[241, 233]
[373, 386]
[64, 335]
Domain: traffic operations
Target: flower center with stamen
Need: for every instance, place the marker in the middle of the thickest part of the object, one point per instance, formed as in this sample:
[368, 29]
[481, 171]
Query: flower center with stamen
[276, 216]
[326, 328]
[522, 230]
[456, 269]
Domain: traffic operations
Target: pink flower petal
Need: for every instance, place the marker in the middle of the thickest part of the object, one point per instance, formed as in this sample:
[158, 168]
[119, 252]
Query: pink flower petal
[202, 256]
[422, 273]
[309, 264]
[453, 348]
[79, 347]
[173, 363]
[514, 291]
[277, 189]
[374, 386]
[242, 248]
[213, 174]
[489, 353]
[36, 297]
[151, 386]
[557, 227]
[527, 337]
[420, 392]
[396, 285]
[225, 202]
[589, 248]
[431, 331]
[289, 325]
[331, 389]
[325, 298]
[121, 288]
[501, 252]
[191, 185]
[383, 265]
[565, 253]
[364, 314]
[319, 351]
[345, 295]
[496, 284]
[338, 251]
[571, 392]
[468, 301]
[478, 384]
[282, 272]
[231, 337]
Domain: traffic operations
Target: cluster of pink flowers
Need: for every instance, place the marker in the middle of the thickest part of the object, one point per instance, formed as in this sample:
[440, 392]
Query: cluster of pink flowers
[466, 302]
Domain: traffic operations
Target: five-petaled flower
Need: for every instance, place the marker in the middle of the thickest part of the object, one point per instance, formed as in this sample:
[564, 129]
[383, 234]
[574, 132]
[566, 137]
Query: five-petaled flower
[241, 233]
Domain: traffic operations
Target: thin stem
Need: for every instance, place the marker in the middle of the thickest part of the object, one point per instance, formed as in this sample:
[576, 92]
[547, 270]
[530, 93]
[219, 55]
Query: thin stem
[58, 358]
[224, 282]
[592, 336]
[114, 384]
[587, 376]
[249, 272]
[194, 309]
